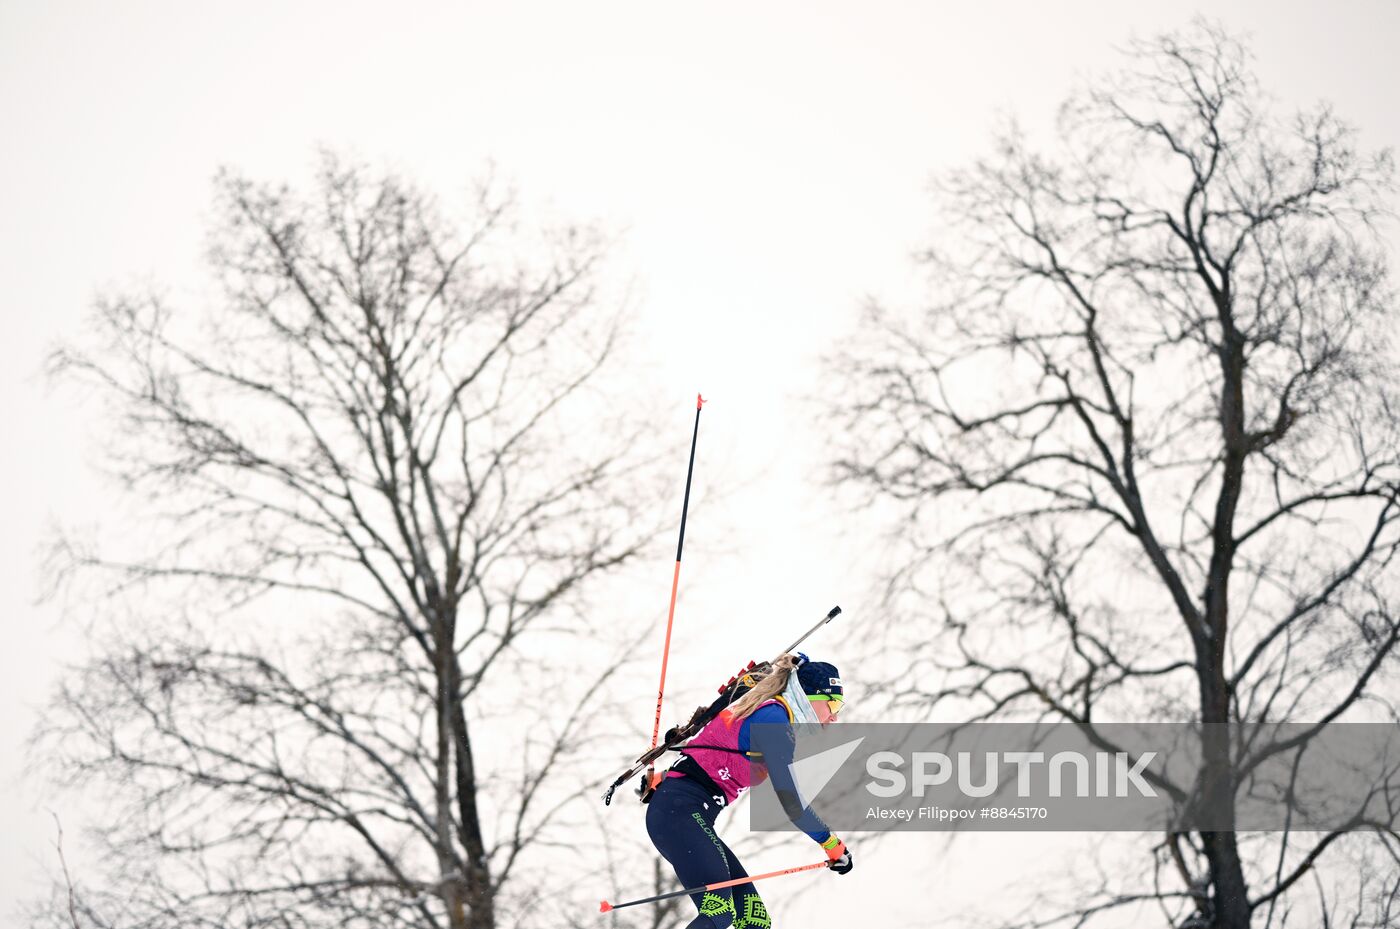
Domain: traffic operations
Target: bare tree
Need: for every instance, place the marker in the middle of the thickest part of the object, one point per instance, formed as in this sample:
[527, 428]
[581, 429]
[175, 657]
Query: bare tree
[371, 476]
[1144, 444]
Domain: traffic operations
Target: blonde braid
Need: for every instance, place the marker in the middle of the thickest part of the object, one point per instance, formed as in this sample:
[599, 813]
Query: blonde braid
[766, 687]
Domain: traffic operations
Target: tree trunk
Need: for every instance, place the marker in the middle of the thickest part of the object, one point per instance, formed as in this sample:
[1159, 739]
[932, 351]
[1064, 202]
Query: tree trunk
[480, 894]
[452, 882]
[1230, 899]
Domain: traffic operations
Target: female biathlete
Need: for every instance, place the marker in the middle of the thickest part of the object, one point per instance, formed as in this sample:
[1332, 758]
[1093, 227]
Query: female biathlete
[716, 768]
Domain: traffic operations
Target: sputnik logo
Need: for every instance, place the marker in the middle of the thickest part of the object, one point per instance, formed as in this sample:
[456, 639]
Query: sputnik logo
[814, 772]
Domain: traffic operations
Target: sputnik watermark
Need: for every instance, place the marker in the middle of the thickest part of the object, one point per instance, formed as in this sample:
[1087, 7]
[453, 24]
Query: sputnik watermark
[1111, 775]
[1108, 777]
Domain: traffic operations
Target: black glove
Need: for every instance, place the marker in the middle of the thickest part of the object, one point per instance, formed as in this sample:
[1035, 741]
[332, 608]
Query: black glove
[647, 784]
[840, 858]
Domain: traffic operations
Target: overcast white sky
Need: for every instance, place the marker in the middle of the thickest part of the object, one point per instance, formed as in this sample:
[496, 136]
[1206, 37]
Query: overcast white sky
[766, 163]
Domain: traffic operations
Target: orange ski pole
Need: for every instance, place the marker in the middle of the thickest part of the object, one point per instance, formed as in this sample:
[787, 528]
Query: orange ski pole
[675, 585]
[605, 906]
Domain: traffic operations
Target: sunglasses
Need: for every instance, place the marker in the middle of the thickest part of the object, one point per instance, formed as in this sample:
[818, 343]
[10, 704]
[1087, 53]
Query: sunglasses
[834, 701]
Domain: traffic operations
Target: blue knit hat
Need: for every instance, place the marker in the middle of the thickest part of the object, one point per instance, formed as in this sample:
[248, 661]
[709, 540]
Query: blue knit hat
[818, 677]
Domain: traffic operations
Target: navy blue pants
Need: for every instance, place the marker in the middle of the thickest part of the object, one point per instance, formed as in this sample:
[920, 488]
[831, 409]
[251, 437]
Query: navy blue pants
[681, 823]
